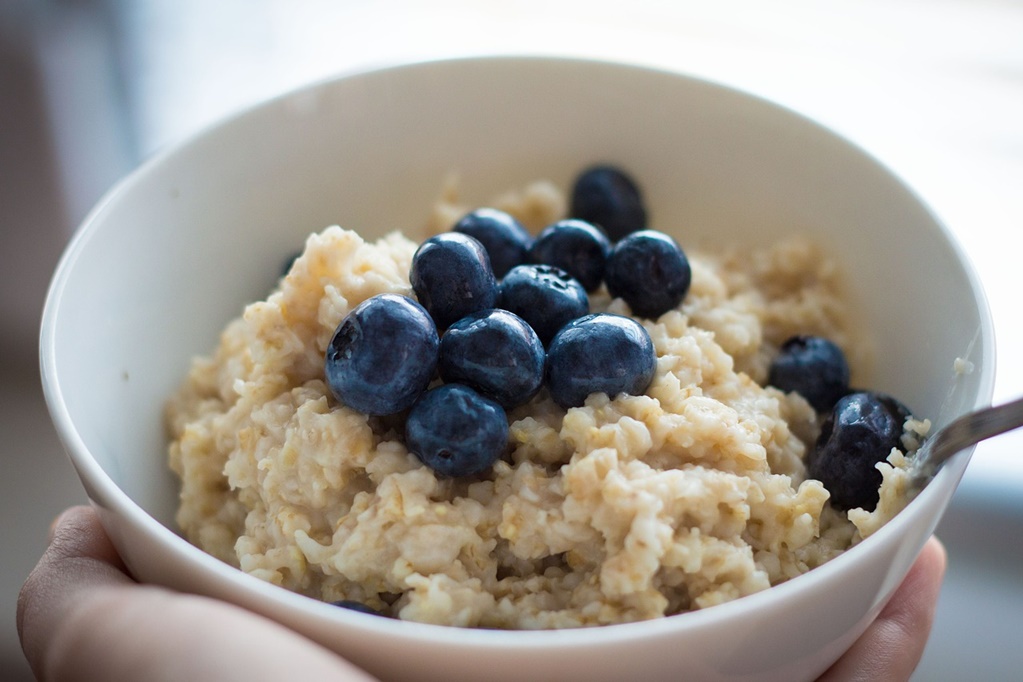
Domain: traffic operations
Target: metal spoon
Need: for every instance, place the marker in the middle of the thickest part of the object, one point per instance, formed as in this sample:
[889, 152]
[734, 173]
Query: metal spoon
[961, 433]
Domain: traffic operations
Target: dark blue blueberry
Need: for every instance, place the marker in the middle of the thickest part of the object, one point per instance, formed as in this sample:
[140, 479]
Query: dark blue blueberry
[546, 297]
[575, 246]
[860, 432]
[505, 239]
[382, 355]
[650, 272]
[900, 413]
[813, 367]
[452, 277]
[607, 196]
[496, 353]
[600, 353]
[455, 431]
[356, 606]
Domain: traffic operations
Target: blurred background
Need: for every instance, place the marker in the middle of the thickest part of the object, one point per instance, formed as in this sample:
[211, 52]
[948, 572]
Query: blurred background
[90, 88]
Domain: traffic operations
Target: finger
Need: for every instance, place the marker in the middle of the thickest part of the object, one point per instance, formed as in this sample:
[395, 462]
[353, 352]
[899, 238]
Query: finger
[79, 557]
[892, 646]
[80, 617]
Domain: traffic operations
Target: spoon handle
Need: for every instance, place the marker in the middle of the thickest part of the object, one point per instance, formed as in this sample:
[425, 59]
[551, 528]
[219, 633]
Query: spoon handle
[967, 430]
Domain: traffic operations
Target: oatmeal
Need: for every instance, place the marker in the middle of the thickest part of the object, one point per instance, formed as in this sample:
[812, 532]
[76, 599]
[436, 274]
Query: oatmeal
[690, 495]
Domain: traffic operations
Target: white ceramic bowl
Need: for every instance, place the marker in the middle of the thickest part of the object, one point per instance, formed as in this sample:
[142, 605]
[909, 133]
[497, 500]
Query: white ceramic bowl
[176, 250]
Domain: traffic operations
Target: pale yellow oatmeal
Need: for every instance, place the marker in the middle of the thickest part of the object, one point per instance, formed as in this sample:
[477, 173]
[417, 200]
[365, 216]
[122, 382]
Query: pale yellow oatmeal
[688, 496]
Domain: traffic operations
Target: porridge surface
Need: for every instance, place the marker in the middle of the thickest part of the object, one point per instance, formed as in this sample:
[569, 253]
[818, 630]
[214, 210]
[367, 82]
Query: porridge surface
[626, 509]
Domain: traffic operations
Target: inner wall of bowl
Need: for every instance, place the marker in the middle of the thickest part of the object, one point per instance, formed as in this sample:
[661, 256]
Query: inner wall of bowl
[185, 242]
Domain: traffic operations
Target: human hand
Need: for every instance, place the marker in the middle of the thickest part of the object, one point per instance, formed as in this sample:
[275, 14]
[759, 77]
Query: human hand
[81, 617]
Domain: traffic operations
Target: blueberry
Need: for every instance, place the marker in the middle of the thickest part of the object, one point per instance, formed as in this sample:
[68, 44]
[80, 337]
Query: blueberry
[607, 196]
[505, 239]
[813, 367]
[860, 432]
[355, 606]
[900, 413]
[897, 410]
[575, 246]
[599, 353]
[452, 277]
[650, 272]
[546, 297]
[382, 355]
[496, 353]
[455, 431]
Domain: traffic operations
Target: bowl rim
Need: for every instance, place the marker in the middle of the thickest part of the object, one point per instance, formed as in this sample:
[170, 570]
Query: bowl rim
[106, 494]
